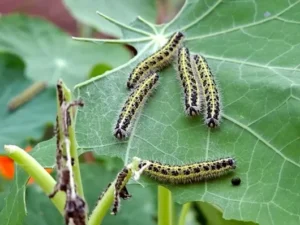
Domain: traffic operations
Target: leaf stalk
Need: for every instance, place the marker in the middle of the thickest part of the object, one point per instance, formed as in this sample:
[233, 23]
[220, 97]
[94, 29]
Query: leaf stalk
[37, 172]
[184, 211]
[165, 206]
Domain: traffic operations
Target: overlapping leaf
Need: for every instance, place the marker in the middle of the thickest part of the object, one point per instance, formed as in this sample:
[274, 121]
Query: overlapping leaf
[125, 11]
[50, 54]
[29, 120]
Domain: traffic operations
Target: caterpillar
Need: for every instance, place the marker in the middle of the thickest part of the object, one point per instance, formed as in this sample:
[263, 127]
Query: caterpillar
[156, 61]
[119, 185]
[190, 173]
[189, 83]
[133, 105]
[26, 95]
[210, 93]
[120, 188]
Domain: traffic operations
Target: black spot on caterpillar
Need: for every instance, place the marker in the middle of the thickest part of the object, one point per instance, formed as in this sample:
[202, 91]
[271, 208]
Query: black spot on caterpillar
[189, 83]
[133, 104]
[210, 93]
[26, 95]
[157, 60]
[190, 173]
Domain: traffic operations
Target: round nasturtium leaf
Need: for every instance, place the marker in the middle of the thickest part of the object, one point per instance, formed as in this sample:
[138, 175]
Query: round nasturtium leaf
[253, 52]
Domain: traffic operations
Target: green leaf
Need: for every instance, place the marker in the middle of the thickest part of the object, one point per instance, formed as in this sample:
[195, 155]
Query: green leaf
[131, 213]
[252, 48]
[40, 211]
[214, 216]
[253, 51]
[126, 11]
[49, 53]
[29, 120]
[12, 209]
[3, 193]
[99, 69]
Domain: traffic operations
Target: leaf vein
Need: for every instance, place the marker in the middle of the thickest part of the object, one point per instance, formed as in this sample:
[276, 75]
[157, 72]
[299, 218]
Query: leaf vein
[244, 26]
[261, 139]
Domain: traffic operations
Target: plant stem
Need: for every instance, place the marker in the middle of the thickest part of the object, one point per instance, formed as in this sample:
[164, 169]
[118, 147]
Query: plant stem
[102, 206]
[37, 172]
[165, 209]
[74, 146]
[184, 211]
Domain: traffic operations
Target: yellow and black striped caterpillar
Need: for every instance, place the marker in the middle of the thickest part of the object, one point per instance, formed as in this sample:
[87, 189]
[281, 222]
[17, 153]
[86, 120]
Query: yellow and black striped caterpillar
[190, 173]
[189, 83]
[120, 188]
[209, 92]
[133, 104]
[156, 61]
[169, 174]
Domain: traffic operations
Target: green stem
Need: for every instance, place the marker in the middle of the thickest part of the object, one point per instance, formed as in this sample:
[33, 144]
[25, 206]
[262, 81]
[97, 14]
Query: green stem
[102, 206]
[74, 146]
[37, 172]
[184, 211]
[165, 209]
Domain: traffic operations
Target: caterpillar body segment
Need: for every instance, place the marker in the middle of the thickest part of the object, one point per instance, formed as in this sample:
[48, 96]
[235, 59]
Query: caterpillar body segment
[190, 173]
[157, 61]
[120, 188]
[209, 91]
[133, 105]
[189, 83]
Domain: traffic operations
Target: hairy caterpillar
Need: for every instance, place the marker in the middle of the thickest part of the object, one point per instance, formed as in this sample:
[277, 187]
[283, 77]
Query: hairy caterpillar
[189, 83]
[120, 188]
[26, 95]
[184, 174]
[156, 61]
[133, 105]
[210, 93]
[190, 173]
